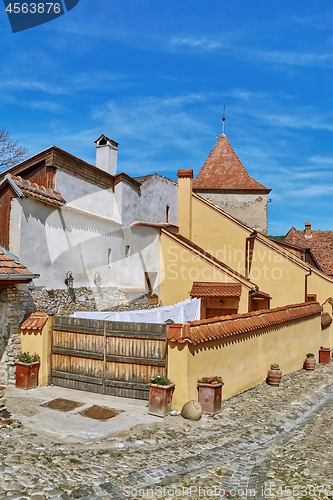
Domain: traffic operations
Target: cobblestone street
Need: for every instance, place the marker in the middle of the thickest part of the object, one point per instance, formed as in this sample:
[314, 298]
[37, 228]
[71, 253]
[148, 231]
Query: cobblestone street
[269, 442]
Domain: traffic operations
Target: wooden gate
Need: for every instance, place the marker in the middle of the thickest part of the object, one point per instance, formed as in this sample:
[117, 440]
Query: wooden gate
[107, 357]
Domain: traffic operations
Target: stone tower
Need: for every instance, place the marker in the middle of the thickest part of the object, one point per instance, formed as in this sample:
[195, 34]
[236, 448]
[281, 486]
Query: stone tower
[224, 181]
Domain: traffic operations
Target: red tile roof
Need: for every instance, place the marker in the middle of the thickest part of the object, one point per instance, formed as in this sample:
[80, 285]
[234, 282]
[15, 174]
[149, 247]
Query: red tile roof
[325, 319]
[320, 243]
[201, 290]
[40, 193]
[8, 266]
[196, 332]
[185, 173]
[35, 321]
[224, 170]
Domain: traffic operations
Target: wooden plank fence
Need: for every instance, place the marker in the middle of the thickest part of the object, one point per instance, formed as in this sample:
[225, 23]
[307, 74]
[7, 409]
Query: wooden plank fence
[107, 357]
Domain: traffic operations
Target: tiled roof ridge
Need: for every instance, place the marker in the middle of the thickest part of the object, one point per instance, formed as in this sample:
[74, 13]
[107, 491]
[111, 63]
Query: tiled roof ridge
[8, 267]
[215, 289]
[326, 319]
[34, 184]
[34, 321]
[224, 137]
[195, 332]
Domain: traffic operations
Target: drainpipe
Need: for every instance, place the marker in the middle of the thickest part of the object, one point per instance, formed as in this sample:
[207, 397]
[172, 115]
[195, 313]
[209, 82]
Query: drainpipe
[306, 284]
[247, 250]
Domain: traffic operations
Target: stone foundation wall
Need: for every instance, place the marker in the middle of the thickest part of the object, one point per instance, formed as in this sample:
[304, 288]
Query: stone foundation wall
[65, 302]
[4, 332]
[15, 303]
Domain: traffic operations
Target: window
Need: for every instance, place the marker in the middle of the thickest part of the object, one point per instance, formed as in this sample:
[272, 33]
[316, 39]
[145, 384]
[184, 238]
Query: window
[167, 213]
[311, 297]
[127, 250]
[109, 258]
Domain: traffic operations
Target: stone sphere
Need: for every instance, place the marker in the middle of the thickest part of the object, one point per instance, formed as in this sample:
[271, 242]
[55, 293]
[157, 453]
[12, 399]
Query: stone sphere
[191, 410]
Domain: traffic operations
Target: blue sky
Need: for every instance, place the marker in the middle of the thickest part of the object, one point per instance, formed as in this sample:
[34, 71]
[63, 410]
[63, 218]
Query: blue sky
[154, 76]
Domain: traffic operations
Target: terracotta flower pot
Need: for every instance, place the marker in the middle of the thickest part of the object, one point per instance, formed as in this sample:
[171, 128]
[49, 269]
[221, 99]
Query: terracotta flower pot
[274, 376]
[160, 398]
[153, 301]
[324, 356]
[210, 397]
[309, 363]
[27, 374]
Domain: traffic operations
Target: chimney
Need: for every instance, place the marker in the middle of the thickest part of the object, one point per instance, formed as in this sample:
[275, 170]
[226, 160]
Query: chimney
[308, 233]
[106, 154]
[184, 221]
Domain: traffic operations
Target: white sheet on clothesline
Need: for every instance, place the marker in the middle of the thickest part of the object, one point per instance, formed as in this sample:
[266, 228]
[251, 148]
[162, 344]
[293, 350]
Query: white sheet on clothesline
[187, 310]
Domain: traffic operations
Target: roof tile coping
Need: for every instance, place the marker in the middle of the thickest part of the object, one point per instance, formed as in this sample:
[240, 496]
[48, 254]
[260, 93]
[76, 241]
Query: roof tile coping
[34, 184]
[35, 321]
[326, 319]
[182, 173]
[216, 289]
[195, 332]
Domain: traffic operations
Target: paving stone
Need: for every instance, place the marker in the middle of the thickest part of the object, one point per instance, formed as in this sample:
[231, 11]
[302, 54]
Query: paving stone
[261, 438]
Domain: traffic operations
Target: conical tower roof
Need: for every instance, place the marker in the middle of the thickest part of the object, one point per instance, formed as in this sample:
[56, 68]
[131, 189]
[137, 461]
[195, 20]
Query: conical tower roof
[224, 170]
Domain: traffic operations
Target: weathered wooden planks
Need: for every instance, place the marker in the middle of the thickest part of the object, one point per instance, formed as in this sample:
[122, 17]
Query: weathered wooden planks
[113, 358]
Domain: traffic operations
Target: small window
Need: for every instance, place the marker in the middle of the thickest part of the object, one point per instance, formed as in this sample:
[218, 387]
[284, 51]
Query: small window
[127, 250]
[109, 257]
[167, 213]
[311, 298]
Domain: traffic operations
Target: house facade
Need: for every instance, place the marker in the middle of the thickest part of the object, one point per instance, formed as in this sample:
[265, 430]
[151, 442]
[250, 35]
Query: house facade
[62, 215]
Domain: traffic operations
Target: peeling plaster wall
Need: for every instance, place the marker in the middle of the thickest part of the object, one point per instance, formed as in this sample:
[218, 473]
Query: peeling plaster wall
[149, 203]
[249, 208]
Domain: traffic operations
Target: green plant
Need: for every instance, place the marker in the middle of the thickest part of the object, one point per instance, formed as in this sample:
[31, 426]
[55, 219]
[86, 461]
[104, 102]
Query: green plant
[26, 357]
[210, 380]
[158, 380]
[310, 355]
[274, 366]
[325, 348]
[153, 296]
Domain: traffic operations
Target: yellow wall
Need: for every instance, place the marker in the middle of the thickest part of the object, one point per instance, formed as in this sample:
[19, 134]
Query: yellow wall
[242, 360]
[184, 219]
[282, 278]
[39, 342]
[182, 267]
[219, 235]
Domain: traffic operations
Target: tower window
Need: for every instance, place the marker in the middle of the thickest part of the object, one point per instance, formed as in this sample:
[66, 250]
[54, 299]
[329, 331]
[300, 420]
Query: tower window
[167, 213]
[127, 250]
[109, 258]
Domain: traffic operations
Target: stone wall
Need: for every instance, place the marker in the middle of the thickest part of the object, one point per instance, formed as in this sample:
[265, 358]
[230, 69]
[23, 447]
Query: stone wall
[65, 302]
[15, 302]
[4, 332]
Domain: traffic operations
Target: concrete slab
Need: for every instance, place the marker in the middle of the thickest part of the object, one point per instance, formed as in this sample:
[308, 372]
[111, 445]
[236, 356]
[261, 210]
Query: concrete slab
[71, 425]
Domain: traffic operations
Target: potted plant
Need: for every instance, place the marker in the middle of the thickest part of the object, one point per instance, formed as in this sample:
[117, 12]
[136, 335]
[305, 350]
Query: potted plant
[153, 299]
[27, 366]
[160, 396]
[210, 394]
[310, 361]
[324, 355]
[274, 375]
